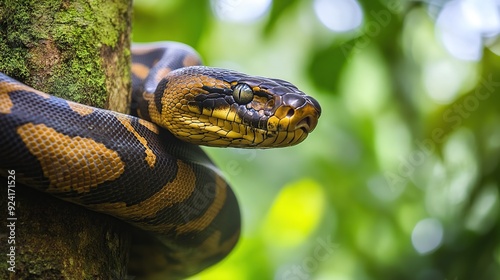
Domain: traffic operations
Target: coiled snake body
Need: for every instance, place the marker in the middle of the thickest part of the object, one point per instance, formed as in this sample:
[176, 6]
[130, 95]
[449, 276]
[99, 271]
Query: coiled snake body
[148, 170]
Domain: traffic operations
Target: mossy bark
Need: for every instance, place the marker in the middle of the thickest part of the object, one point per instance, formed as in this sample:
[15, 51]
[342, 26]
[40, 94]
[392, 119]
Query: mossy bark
[78, 50]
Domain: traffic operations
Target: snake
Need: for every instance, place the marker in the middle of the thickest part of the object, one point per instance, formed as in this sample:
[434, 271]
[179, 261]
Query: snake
[147, 168]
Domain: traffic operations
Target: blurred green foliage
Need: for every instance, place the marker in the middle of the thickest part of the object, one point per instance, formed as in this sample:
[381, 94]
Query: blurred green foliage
[393, 183]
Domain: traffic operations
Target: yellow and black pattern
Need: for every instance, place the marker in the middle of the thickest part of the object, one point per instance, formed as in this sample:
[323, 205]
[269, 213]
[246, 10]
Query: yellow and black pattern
[137, 170]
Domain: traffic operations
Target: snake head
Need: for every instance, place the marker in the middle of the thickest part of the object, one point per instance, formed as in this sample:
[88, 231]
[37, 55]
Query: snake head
[218, 107]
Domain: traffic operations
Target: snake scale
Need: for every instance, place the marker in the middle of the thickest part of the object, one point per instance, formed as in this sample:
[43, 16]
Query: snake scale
[147, 168]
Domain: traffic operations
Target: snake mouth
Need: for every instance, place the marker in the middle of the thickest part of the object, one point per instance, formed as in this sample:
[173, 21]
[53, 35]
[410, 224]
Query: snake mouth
[287, 124]
[228, 127]
[305, 124]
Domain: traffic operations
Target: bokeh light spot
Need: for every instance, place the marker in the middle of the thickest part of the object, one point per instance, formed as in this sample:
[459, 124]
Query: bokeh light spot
[339, 15]
[462, 26]
[482, 15]
[441, 81]
[427, 235]
[240, 10]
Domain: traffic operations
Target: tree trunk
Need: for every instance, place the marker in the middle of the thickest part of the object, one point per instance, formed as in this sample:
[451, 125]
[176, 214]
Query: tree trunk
[77, 50]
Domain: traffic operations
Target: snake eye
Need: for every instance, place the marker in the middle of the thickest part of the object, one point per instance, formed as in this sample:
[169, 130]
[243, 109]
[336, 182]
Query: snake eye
[242, 94]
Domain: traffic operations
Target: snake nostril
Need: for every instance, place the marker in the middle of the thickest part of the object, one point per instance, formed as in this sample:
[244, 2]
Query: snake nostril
[290, 112]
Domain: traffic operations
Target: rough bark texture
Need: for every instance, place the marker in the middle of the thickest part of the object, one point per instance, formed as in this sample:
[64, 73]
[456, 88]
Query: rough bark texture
[78, 50]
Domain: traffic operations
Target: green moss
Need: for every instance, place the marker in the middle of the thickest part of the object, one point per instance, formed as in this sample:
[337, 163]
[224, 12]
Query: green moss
[56, 45]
